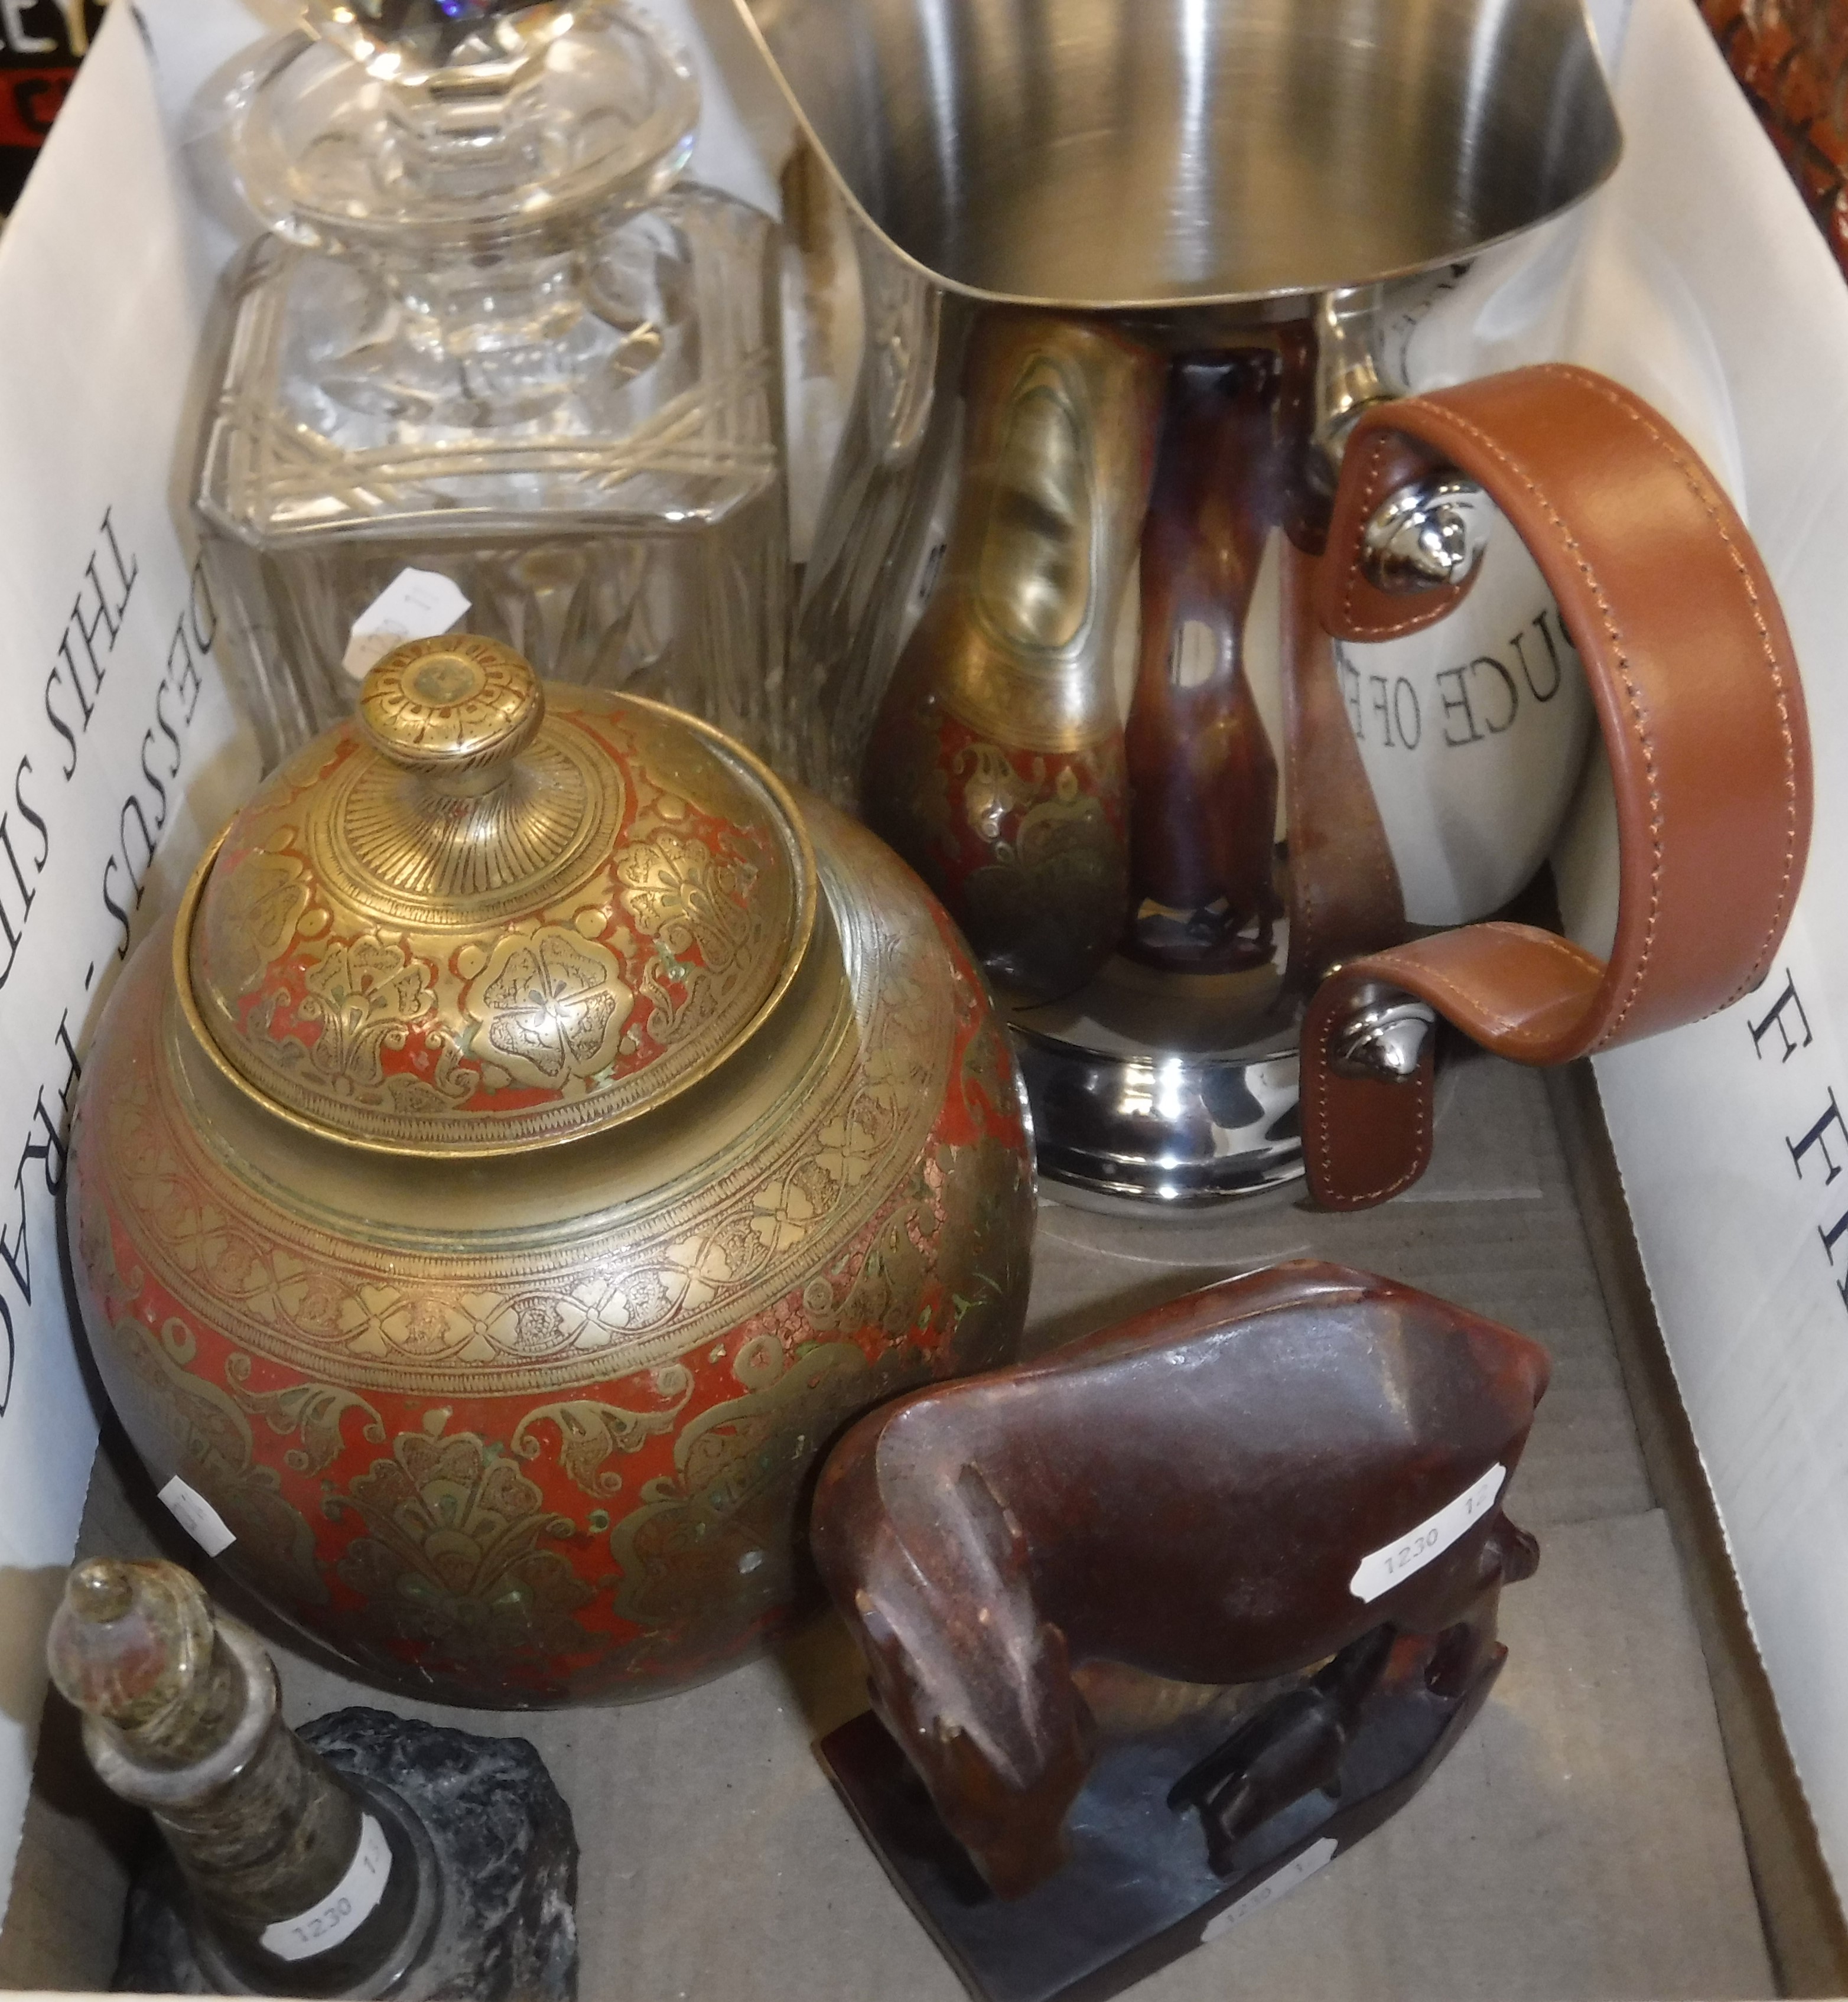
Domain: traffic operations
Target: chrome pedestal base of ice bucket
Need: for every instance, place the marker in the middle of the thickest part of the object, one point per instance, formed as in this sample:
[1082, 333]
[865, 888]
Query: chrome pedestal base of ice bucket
[1131, 1117]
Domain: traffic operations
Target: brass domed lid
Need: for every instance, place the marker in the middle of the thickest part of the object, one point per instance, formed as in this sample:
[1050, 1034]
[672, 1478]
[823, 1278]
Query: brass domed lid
[483, 917]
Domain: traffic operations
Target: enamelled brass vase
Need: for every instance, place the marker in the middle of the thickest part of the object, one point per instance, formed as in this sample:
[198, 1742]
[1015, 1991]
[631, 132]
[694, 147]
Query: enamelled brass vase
[535, 1138]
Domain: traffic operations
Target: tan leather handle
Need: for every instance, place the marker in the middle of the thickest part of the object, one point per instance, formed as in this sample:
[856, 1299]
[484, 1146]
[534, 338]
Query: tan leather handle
[1691, 671]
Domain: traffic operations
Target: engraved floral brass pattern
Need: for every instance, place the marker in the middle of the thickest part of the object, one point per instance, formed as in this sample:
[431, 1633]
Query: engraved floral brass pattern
[714, 1521]
[1030, 847]
[266, 901]
[372, 959]
[451, 1560]
[181, 1422]
[508, 1318]
[313, 1412]
[381, 845]
[364, 998]
[589, 1432]
[550, 1006]
[529, 1473]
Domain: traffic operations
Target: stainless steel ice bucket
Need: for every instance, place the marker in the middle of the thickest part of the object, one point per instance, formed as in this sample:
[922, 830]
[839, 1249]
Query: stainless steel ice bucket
[1255, 192]
[1110, 155]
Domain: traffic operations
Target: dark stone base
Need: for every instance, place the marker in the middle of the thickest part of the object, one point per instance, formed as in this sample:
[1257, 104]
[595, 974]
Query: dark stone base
[506, 1852]
[1138, 1890]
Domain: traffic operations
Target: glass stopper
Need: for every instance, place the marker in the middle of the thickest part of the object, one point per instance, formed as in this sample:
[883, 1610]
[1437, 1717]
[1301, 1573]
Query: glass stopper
[440, 125]
[408, 41]
[130, 1642]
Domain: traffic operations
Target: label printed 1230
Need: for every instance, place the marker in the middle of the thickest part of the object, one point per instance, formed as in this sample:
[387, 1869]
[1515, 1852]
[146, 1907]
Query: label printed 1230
[345, 1908]
[1380, 1570]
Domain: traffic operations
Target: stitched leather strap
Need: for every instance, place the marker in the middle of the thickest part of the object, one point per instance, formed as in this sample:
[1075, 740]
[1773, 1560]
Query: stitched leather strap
[1345, 897]
[1691, 670]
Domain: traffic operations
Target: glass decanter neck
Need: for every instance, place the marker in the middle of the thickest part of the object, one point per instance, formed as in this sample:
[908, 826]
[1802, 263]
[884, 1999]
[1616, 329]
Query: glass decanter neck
[465, 123]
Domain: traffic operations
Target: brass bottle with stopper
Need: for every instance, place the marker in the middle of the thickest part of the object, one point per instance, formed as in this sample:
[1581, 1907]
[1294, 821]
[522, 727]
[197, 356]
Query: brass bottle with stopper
[299, 1880]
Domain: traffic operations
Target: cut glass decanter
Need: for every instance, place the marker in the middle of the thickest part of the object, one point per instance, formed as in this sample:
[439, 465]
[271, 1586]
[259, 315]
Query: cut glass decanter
[491, 334]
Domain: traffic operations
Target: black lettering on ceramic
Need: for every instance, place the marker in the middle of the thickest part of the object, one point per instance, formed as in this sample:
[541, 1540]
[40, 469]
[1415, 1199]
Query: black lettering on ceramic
[1497, 706]
[1454, 697]
[1406, 718]
[1554, 673]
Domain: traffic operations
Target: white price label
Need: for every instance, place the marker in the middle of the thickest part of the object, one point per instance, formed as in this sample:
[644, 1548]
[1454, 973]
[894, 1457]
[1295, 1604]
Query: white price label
[198, 1517]
[345, 1908]
[1380, 1570]
[1274, 1887]
[416, 604]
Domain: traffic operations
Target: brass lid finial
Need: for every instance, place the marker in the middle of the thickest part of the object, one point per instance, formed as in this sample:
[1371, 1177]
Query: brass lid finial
[453, 705]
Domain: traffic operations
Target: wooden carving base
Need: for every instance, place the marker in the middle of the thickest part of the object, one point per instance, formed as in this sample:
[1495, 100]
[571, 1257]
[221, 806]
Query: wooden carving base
[1137, 1891]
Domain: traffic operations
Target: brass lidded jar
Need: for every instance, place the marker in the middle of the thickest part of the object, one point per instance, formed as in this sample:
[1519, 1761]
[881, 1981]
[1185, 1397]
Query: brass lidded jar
[534, 1138]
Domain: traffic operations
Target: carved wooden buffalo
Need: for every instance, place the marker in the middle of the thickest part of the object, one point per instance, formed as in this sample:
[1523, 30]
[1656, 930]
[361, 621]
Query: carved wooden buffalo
[1237, 1486]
